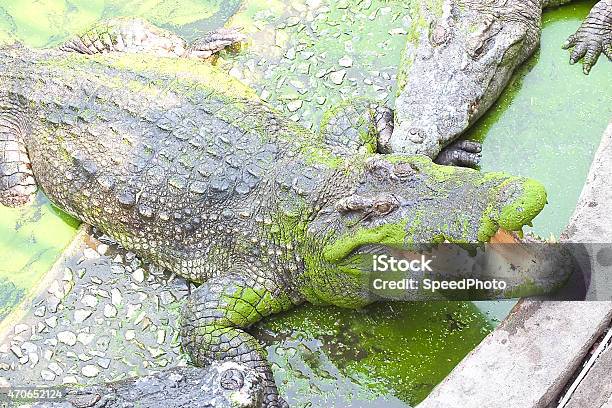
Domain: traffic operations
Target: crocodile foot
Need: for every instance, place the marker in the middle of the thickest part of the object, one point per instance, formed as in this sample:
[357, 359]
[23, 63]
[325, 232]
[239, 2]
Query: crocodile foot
[463, 153]
[215, 41]
[593, 37]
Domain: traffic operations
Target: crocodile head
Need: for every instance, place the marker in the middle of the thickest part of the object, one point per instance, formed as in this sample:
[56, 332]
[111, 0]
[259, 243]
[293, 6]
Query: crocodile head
[453, 69]
[405, 203]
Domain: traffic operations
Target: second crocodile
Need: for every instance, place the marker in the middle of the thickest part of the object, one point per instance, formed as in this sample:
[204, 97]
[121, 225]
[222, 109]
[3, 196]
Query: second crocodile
[459, 57]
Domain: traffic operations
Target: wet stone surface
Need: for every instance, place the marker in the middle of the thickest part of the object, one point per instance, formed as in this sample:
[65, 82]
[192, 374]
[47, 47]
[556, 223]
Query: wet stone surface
[108, 317]
[305, 57]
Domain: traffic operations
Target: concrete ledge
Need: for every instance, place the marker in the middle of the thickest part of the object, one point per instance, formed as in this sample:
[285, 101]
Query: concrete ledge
[527, 360]
[592, 219]
[595, 390]
[530, 357]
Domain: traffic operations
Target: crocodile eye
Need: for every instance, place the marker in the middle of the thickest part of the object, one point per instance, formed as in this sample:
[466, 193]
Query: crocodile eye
[384, 207]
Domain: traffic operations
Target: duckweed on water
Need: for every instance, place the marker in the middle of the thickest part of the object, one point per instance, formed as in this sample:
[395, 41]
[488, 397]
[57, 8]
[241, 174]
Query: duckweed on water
[47, 22]
[31, 240]
[387, 352]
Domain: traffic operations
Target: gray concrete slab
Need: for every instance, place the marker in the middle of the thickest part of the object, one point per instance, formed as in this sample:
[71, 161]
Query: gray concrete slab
[527, 360]
[595, 213]
[595, 390]
[592, 219]
[531, 356]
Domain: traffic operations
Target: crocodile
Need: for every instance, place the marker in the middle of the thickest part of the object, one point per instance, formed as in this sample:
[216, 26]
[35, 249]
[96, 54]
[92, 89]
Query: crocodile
[226, 385]
[127, 129]
[459, 56]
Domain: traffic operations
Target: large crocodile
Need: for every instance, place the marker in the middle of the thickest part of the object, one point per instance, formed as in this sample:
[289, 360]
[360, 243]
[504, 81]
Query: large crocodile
[460, 55]
[189, 169]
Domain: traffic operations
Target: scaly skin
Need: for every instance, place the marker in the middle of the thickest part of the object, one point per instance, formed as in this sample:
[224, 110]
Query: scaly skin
[459, 57]
[138, 35]
[17, 184]
[189, 169]
[227, 385]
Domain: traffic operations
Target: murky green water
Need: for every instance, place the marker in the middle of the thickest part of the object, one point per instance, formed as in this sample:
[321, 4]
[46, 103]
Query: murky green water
[548, 123]
[41, 23]
[546, 126]
[31, 239]
[385, 355]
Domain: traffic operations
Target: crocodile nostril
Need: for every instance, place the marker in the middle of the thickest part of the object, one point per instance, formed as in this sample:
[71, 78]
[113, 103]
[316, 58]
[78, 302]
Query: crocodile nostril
[416, 135]
[232, 379]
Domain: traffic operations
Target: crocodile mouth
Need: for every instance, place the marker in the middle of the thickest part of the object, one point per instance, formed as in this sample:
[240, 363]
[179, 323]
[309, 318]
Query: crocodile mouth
[384, 238]
[363, 257]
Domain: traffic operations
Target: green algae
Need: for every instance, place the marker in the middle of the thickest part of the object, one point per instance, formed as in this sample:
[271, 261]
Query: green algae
[392, 235]
[42, 23]
[383, 355]
[32, 238]
[513, 216]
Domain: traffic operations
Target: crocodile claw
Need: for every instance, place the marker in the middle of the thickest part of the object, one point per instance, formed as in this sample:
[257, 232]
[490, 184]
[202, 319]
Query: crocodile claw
[592, 38]
[463, 153]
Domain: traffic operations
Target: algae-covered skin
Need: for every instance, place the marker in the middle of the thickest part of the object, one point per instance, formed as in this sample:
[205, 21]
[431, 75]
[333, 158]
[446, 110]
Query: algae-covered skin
[459, 57]
[192, 171]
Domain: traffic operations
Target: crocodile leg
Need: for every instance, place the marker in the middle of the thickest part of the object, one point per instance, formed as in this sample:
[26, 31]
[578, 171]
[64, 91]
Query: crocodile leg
[356, 125]
[17, 184]
[464, 153]
[126, 35]
[214, 319]
[138, 35]
[593, 37]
